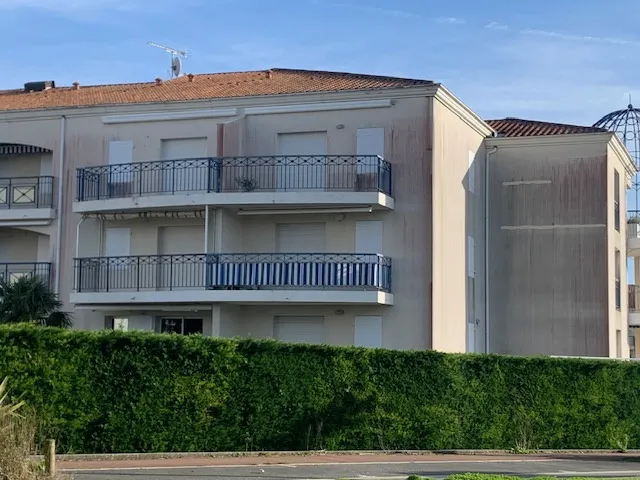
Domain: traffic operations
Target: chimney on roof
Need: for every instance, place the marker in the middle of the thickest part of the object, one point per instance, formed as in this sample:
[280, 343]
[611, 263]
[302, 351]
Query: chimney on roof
[190, 77]
[76, 85]
[158, 81]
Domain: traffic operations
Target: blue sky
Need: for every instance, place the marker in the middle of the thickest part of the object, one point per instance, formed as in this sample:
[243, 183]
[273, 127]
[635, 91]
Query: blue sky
[557, 60]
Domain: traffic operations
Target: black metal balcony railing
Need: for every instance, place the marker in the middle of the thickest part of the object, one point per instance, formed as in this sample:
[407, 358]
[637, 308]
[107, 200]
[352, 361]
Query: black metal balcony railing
[634, 298]
[166, 177]
[26, 192]
[10, 272]
[348, 173]
[233, 271]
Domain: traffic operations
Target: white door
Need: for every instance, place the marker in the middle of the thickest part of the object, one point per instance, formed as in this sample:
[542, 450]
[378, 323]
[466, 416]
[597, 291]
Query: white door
[368, 331]
[120, 175]
[300, 329]
[369, 141]
[182, 263]
[368, 237]
[184, 176]
[302, 165]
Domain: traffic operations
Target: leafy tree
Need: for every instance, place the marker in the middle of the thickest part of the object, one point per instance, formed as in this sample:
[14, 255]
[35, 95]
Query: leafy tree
[29, 299]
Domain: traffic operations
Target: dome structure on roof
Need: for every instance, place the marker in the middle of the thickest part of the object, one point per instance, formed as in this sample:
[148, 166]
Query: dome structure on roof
[626, 123]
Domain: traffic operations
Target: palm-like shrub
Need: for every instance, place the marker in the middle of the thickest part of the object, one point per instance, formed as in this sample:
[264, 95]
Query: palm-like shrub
[28, 299]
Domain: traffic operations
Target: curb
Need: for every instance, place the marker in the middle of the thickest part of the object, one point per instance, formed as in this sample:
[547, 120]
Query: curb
[173, 455]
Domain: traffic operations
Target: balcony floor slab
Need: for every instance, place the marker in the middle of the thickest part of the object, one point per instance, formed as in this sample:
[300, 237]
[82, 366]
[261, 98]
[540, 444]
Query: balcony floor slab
[27, 216]
[298, 199]
[309, 297]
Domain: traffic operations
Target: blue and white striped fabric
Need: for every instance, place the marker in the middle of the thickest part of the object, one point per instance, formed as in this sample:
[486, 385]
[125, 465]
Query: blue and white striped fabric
[299, 274]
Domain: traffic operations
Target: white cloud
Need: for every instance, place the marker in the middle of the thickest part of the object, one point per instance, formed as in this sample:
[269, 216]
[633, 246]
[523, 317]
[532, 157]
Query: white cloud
[451, 20]
[579, 38]
[496, 26]
[74, 5]
[368, 9]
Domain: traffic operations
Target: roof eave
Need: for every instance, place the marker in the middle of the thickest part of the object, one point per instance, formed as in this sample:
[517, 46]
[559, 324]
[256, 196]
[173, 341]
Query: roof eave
[470, 117]
[250, 100]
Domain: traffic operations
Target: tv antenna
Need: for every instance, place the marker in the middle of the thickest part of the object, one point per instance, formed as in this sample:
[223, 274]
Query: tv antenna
[176, 55]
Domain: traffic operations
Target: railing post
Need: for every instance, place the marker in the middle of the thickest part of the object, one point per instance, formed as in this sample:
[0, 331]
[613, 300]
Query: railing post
[80, 184]
[170, 272]
[106, 286]
[138, 274]
[78, 264]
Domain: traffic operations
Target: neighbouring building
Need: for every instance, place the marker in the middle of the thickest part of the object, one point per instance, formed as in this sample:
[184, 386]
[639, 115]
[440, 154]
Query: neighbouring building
[316, 207]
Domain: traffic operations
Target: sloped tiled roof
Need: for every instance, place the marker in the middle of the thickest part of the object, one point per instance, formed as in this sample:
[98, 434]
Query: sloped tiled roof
[276, 81]
[517, 127]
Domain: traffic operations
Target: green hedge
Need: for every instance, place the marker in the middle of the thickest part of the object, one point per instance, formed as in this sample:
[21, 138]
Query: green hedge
[125, 392]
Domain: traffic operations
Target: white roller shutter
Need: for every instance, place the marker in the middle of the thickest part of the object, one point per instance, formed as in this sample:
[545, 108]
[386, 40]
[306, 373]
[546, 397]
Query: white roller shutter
[300, 329]
[185, 177]
[368, 331]
[117, 242]
[300, 237]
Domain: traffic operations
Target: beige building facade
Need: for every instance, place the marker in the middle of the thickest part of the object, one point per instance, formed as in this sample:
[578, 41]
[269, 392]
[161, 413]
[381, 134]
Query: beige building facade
[315, 207]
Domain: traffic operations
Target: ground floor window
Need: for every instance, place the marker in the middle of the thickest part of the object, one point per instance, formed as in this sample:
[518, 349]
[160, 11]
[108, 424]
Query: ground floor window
[115, 323]
[180, 325]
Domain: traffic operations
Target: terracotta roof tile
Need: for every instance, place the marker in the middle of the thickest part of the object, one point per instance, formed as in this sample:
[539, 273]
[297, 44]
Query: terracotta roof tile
[517, 127]
[276, 81]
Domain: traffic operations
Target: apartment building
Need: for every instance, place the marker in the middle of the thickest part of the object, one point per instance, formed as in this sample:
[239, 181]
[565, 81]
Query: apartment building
[316, 207]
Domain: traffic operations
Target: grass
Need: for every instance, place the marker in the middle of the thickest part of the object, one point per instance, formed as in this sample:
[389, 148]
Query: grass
[17, 440]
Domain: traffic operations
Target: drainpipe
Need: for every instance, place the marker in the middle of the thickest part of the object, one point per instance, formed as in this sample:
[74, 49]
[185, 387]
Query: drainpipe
[63, 125]
[78, 236]
[486, 247]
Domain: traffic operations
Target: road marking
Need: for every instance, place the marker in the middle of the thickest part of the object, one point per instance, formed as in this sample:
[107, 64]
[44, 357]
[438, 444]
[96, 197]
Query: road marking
[633, 473]
[320, 464]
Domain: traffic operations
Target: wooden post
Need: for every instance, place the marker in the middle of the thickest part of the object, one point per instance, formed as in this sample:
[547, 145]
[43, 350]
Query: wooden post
[50, 457]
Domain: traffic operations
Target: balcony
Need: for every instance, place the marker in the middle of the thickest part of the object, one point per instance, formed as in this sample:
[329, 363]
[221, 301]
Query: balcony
[10, 272]
[234, 278]
[240, 182]
[634, 305]
[26, 200]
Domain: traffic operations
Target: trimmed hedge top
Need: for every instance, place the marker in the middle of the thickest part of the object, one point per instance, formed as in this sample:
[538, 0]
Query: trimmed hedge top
[104, 392]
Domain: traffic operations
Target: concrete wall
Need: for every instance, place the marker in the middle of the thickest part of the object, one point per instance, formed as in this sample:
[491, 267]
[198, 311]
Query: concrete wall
[548, 252]
[23, 246]
[25, 165]
[458, 152]
[616, 240]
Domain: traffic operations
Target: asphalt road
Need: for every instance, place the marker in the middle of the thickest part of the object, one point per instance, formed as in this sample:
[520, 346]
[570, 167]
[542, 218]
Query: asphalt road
[593, 466]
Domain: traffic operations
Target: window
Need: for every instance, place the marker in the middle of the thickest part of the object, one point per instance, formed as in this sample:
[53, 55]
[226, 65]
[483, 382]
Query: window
[617, 281]
[618, 344]
[632, 346]
[117, 324]
[181, 326]
[616, 200]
